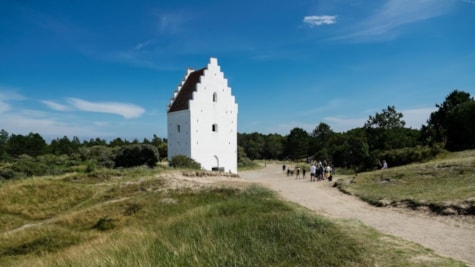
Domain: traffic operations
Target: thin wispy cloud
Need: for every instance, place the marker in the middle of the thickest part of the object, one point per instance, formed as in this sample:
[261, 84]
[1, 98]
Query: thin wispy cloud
[313, 21]
[15, 118]
[333, 104]
[21, 124]
[173, 22]
[394, 14]
[133, 58]
[61, 26]
[146, 56]
[55, 106]
[141, 45]
[4, 106]
[125, 110]
[7, 95]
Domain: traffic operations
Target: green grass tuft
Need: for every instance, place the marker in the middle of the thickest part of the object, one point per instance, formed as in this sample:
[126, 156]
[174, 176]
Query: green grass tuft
[445, 182]
[131, 221]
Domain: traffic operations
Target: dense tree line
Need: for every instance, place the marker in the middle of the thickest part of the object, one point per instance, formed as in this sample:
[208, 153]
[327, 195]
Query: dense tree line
[30, 155]
[12, 146]
[383, 136]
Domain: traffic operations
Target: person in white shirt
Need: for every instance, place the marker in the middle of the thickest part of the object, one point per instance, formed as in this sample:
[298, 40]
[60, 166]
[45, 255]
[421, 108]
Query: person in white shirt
[313, 170]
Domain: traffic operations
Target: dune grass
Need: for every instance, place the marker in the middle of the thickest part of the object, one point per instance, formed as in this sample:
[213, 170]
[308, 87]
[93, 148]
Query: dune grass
[131, 221]
[449, 180]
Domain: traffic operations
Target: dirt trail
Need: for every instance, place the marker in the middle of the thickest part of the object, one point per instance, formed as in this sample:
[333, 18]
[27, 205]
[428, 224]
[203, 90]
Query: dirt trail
[447, 236]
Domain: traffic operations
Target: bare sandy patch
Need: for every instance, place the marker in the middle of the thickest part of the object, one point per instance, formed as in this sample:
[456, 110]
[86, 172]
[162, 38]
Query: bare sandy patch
[449, 236]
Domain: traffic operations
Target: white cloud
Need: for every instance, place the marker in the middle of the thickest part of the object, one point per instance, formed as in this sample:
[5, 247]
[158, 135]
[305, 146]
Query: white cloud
[125, 110]
[141, 45]
[394, 14]
[319, 20]
[339, 124]
[415, 118]
[7, 94]
[54, 105]
[20, 119]
[19, 124]
[4, 106]
[174, 22]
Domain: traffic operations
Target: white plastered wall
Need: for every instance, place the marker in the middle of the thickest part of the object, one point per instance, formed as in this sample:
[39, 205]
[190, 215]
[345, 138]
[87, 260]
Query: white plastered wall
[178, 139]
[214, 148]
[210, 148]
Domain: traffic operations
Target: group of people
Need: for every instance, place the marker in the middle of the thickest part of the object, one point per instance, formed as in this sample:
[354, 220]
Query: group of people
[319, 171]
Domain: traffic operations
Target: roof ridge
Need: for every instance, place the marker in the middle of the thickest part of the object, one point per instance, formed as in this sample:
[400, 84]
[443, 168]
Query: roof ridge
[184, 92]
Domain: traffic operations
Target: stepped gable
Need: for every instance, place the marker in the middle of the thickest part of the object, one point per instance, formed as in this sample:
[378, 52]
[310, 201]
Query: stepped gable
[181, 101]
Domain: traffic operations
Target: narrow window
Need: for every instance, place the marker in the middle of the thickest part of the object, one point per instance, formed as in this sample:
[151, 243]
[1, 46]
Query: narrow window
[178, 128]
[215, 127]
[215, 97]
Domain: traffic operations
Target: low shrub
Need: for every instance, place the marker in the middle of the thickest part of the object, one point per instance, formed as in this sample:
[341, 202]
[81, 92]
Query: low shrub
[403, 156]
[104, 224]
[246, 162]
[103, 156]
[136, 155]
[181, 161]
[8, 174]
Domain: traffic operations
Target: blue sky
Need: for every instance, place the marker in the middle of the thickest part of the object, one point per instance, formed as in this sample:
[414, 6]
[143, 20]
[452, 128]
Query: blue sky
[108, 68]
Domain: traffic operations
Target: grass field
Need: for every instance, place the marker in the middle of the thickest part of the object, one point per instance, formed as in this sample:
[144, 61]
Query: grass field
[127, 218]
[445, 185]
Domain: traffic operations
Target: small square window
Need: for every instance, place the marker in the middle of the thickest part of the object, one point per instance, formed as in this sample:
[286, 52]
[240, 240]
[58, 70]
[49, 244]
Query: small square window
[215, 127]
[178, 128]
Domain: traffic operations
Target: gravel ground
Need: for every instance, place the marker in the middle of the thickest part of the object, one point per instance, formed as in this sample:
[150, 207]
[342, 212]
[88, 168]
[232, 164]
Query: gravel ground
[450, 236]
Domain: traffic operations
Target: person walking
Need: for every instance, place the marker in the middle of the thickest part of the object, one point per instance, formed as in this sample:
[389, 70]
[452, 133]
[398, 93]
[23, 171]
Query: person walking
[313, 170]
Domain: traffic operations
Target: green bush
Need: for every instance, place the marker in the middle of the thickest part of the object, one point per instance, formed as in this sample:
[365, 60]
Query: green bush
[91, 166]
[136, 155]
[104, 224]
[246, 163]
[8, 174]
[102, 155]
[28, 166]
[47, 164]
[181, 161]
[403, 156]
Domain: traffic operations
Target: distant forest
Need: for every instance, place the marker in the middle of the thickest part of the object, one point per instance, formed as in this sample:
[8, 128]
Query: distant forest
[383, 136]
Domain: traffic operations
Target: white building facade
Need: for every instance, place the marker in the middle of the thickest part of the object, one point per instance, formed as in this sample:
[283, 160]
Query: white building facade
[202, 119]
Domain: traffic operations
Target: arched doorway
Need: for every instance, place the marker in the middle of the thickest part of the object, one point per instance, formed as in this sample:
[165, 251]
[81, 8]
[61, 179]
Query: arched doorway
[216, 166]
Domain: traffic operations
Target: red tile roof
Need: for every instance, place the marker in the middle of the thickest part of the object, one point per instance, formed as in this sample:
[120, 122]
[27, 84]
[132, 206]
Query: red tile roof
[186, 93]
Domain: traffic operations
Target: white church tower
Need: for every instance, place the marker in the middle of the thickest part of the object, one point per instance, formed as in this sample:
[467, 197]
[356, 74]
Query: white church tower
[202, 119]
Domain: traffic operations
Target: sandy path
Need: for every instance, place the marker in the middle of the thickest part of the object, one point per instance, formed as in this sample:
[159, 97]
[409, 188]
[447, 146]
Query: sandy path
[451, 237]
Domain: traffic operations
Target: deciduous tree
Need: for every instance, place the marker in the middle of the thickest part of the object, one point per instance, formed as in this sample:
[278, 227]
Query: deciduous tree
[436, 129]
[461, 127]
[389, 118]
[297, 143]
